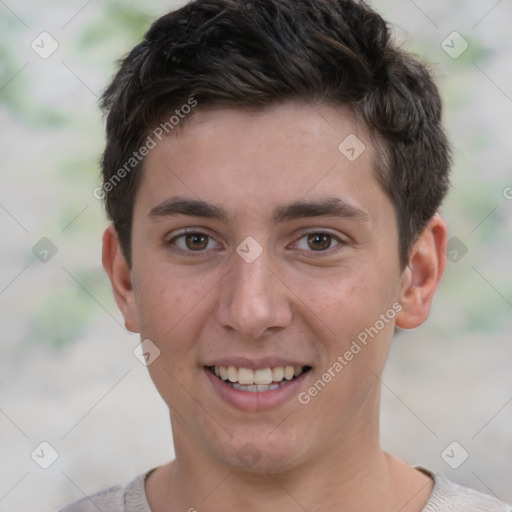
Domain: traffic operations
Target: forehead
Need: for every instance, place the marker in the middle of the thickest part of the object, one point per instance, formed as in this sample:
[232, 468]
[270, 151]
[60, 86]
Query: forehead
[254, 161]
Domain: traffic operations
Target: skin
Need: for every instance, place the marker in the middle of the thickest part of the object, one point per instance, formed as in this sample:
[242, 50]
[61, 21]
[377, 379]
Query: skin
[299, 300]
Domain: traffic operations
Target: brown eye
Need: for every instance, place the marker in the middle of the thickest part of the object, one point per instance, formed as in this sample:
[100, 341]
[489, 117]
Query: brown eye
[196, 241]
[193, 242]
[319, 241]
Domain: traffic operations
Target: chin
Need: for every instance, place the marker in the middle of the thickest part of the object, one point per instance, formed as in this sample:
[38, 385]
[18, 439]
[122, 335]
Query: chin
[263, 453]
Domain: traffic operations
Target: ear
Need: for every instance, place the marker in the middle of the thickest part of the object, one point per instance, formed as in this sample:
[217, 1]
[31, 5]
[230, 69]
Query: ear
[422, 275]
[119, 274]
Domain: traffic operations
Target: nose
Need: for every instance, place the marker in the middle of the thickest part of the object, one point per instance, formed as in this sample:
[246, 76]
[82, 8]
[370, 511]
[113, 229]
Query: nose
[253, 300]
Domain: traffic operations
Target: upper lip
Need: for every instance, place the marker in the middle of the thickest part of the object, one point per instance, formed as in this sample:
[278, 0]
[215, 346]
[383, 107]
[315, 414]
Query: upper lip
[253, 363]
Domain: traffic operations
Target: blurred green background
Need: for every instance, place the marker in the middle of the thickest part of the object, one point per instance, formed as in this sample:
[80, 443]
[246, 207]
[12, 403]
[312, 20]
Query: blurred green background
[68, 375]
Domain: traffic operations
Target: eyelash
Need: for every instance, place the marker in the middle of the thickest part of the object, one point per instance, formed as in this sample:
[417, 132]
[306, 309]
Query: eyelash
[200, 253]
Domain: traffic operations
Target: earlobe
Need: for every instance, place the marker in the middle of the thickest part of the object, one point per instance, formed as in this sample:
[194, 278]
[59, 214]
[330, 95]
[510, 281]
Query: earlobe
[422, 276]
[119, 274]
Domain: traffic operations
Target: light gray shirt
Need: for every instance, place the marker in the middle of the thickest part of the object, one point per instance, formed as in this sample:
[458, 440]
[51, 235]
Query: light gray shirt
[446, 497]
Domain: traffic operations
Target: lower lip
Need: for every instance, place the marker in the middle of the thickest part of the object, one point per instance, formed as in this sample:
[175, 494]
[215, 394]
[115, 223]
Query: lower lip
[257, 400]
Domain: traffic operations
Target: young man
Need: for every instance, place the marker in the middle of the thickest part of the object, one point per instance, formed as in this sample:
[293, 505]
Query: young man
[273, 172]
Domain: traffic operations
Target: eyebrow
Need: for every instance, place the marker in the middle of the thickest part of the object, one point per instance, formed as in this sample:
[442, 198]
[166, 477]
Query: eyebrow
[332, 206]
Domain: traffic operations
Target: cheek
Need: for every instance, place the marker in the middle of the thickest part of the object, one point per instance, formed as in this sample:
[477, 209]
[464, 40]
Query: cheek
[360, 318]
[347, 304]
[167, 305]
[170, 310]
[354, 317]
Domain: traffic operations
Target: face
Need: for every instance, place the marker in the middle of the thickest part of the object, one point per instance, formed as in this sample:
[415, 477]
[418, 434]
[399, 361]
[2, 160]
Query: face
[266, 273]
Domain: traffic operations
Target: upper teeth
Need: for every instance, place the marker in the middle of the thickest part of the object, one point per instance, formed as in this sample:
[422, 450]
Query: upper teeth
[247, 376]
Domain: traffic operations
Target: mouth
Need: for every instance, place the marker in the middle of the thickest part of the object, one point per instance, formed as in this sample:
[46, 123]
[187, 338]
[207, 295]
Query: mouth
[257, 380]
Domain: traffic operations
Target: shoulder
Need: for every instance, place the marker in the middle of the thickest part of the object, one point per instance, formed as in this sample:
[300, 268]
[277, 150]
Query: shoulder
[118, 498]
[448, 496]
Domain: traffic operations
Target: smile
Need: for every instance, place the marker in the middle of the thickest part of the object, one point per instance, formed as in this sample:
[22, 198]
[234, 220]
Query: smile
[259, 380]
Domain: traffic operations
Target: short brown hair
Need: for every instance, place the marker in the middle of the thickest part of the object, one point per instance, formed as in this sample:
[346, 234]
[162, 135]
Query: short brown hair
[257, 53]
